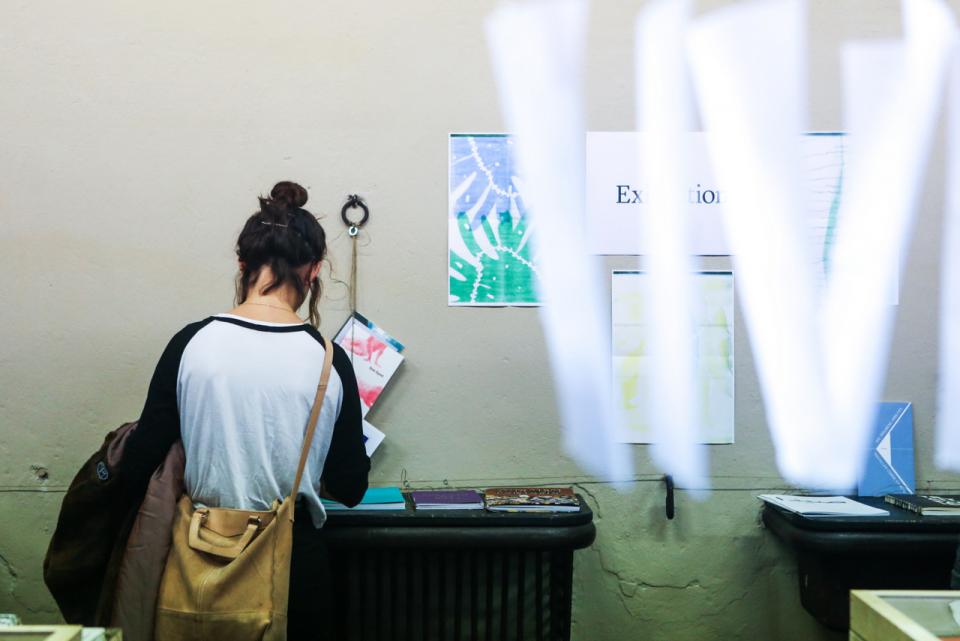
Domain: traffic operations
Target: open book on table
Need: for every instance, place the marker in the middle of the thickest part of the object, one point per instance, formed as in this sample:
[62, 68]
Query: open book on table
[822, 505]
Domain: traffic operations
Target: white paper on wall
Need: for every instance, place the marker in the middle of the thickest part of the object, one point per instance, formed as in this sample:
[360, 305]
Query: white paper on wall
[820, 353]
[537, 51]
[665, 113]
[892, 97]
[638, 375]
[948, 414]
[620, 196]
[748, 62]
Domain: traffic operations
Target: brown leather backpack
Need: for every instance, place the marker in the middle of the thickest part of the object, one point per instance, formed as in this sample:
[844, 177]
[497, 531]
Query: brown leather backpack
[84, 555]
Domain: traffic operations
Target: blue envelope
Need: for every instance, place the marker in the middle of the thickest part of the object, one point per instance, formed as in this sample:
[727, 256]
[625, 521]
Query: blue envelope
[889, 468]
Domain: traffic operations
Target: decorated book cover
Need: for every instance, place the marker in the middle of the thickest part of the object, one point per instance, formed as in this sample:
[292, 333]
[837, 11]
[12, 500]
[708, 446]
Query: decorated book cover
[532, 499]
[375, 356]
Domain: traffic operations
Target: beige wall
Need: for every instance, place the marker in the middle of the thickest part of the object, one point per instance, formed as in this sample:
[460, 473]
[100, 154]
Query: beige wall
[135, 138]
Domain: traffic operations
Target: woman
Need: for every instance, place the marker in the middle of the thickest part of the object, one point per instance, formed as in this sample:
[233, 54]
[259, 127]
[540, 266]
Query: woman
[238, 387]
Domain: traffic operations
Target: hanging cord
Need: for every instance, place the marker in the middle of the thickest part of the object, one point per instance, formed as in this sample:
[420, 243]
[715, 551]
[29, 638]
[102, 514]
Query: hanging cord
[670, 503]
[353, 229]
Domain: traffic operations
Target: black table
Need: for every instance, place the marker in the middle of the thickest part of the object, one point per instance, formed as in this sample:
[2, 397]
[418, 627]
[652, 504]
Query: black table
[455, 574]
[836, 554]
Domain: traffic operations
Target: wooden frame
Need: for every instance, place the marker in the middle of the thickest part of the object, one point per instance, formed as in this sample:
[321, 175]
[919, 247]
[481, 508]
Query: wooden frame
[873, 618]
[34, 632]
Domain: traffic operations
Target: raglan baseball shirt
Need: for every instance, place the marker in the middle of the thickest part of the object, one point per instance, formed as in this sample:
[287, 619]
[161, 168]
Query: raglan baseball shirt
[238, 392]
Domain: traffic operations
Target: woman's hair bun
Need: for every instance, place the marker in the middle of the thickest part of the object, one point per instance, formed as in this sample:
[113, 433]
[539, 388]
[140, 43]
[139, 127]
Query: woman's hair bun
[289, 193]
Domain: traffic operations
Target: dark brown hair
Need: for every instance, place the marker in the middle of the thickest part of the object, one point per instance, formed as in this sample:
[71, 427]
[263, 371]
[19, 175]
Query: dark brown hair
[285, 237]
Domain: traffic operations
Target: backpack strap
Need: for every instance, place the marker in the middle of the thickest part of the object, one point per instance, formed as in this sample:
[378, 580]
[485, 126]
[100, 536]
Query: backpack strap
[314, 415]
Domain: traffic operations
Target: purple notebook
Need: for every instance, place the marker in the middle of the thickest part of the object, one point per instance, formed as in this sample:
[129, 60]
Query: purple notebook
[447, 500]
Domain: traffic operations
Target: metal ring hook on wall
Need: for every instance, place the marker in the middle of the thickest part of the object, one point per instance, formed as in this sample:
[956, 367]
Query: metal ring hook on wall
[354, 202]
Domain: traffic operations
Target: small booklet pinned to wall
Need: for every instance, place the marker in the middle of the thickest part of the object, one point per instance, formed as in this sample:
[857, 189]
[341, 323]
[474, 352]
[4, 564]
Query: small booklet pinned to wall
[926, 504]
[447, 500]
[531, 499]
[375, 356]
[822, 505]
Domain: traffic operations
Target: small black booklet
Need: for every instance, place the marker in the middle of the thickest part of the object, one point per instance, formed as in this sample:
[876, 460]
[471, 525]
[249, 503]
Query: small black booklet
[926, 504]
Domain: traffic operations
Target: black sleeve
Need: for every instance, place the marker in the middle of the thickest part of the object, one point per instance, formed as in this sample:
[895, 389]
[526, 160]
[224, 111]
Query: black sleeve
[347, 465]
[159, 424]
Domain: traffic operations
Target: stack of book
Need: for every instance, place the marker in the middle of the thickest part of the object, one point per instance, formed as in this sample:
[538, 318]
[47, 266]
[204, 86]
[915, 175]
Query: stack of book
[531, 499]
[376, 498]
[447, 500]
[926, 504]
[497, 499]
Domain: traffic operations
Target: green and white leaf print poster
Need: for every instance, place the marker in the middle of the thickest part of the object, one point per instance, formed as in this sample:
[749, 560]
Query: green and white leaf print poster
[713, 354]
[490, 253]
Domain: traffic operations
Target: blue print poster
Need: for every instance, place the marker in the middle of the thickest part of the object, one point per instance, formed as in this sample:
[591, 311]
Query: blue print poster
[491, 260]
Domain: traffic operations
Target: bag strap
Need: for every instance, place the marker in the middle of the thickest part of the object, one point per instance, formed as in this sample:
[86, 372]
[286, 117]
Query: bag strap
[314, 415]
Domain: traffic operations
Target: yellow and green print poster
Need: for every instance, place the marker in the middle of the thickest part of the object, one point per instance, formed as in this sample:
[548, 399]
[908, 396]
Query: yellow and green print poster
[713, 353]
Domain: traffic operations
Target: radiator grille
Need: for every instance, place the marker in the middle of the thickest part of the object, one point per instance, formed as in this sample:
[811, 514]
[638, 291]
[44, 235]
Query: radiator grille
[453, 595]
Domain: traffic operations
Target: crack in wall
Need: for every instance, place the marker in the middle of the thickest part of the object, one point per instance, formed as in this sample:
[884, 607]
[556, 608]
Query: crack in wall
[721, 609]
[10, 579]
[628, 587]
[640, 583]
[695, 583]
[598, 512]
[621, 596]
[9, 569]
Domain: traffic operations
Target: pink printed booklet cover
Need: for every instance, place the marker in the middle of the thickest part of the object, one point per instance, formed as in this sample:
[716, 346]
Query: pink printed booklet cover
[375, 356]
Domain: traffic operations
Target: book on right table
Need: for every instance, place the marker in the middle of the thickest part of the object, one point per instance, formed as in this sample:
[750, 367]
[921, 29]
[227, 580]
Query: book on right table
[531, 499]
[926, 504]
[821, 506]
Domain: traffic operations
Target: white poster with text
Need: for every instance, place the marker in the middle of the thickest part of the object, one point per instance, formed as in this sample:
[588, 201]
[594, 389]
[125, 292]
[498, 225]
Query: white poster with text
[617, 196]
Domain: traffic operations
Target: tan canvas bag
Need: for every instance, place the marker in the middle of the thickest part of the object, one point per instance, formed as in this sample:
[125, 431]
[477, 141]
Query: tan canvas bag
[228, 572]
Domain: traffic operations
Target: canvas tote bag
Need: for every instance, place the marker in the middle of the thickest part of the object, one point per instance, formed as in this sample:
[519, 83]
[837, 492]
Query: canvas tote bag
[228, 572]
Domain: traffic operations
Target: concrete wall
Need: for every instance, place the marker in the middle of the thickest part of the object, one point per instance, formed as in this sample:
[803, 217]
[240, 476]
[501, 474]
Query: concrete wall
[135, 138]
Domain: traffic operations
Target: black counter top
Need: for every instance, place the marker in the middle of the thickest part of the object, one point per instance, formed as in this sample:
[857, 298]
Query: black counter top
[836, 554]
[461, 528]
[901, 530]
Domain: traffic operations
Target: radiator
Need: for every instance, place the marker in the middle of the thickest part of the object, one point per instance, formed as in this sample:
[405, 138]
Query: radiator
[411, 594]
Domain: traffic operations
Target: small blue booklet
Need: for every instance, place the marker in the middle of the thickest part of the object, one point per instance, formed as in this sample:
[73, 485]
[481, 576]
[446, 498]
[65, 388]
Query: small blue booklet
[376, 498]
[889, 460]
